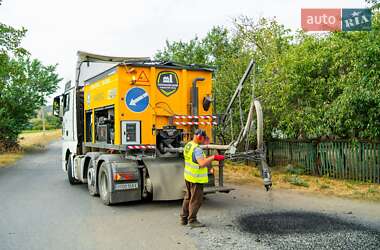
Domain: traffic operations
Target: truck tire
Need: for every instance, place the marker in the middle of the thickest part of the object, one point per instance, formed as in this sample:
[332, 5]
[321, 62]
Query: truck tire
[69, 167]
[104, 184]
[91, 181]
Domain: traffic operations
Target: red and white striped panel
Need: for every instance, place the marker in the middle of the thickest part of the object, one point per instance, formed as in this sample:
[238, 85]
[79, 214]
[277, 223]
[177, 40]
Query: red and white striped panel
[141, 147]
[195, 123]
[195, 117]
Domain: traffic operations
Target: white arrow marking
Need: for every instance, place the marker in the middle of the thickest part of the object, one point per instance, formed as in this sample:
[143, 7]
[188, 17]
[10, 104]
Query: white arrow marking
[137, 99]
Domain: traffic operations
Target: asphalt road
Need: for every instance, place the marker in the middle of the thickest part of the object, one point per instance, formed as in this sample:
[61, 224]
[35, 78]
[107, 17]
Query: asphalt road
[40, 210]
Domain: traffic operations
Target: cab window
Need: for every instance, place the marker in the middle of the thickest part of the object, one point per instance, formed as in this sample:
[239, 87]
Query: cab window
[66, 102]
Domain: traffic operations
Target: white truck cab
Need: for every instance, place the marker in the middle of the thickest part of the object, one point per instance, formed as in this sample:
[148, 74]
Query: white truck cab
[70, 104]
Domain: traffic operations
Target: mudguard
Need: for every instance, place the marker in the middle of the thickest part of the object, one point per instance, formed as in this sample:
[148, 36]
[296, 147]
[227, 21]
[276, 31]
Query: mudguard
[166, 175]
[117, 163]
[91, 158]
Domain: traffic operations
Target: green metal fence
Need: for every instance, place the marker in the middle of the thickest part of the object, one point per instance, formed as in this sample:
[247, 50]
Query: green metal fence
[338, 159]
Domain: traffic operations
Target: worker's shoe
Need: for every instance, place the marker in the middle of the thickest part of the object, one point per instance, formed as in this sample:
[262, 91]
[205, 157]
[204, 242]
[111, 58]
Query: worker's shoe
[195, 224]
[183, 222]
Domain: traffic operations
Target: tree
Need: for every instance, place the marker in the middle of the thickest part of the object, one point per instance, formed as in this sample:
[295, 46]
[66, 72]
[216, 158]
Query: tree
[310, 85]
[24, 84]
[207, 51]
[217, 49]
[263, 41]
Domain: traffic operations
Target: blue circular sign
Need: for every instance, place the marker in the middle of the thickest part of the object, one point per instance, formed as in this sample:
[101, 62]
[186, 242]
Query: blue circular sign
[137, 99]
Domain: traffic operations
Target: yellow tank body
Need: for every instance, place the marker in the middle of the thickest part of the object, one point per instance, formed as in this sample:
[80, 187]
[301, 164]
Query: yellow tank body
[148, 95]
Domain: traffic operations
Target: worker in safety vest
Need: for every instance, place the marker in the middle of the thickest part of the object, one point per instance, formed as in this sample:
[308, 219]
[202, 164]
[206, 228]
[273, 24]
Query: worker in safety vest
[196, 175]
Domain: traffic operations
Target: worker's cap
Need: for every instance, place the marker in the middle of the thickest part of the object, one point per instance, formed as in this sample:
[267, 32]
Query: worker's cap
[200, 132]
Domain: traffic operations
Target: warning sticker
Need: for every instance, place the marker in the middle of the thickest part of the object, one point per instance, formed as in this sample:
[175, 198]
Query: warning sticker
[142, 77]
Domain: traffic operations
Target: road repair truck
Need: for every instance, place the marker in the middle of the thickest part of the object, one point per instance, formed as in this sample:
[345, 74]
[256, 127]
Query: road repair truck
[125, 122]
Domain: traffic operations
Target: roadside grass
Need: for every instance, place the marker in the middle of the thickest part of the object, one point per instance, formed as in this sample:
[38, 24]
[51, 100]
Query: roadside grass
[38, 140]
[31, 141]
[292, 177]
[9, 158]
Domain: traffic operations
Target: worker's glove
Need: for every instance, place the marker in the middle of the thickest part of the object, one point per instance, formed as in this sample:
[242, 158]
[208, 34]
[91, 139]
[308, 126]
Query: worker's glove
[218, 157]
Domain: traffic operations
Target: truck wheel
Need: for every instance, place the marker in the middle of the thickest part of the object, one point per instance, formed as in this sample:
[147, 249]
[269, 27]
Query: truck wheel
[91, 178]
[69, 167]
[104, 185]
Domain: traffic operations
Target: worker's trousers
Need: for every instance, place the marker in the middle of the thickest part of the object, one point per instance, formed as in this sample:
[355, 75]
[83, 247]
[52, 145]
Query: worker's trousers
[192, 201]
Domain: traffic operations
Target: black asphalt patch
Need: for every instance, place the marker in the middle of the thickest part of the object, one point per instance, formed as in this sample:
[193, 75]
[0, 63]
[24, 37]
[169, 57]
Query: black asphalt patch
[308, 230]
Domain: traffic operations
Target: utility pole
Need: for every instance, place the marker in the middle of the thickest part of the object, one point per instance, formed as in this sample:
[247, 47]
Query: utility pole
[43, 120]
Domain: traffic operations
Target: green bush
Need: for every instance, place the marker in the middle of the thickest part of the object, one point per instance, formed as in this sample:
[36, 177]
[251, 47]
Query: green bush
[297, 181]
[324, 186]
[297, 170]
[372, 190]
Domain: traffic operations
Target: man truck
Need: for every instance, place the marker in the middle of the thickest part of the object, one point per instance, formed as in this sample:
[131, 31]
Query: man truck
[125, 121]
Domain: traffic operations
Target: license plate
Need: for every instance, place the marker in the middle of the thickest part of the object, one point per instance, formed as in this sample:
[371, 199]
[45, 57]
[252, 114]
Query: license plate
[125, 186]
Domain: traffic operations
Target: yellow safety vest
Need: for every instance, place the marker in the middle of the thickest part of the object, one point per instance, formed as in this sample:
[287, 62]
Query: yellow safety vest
[193, 173]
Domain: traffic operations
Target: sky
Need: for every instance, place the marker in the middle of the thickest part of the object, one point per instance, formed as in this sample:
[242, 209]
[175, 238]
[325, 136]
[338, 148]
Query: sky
[58, 29]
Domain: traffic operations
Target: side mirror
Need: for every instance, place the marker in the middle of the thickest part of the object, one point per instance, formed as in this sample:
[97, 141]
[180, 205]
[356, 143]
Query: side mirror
[207, 103]
[57, 107]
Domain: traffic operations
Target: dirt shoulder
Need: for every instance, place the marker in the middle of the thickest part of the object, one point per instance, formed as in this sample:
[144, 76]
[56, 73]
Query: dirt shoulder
[286, 177]
[30, 142]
